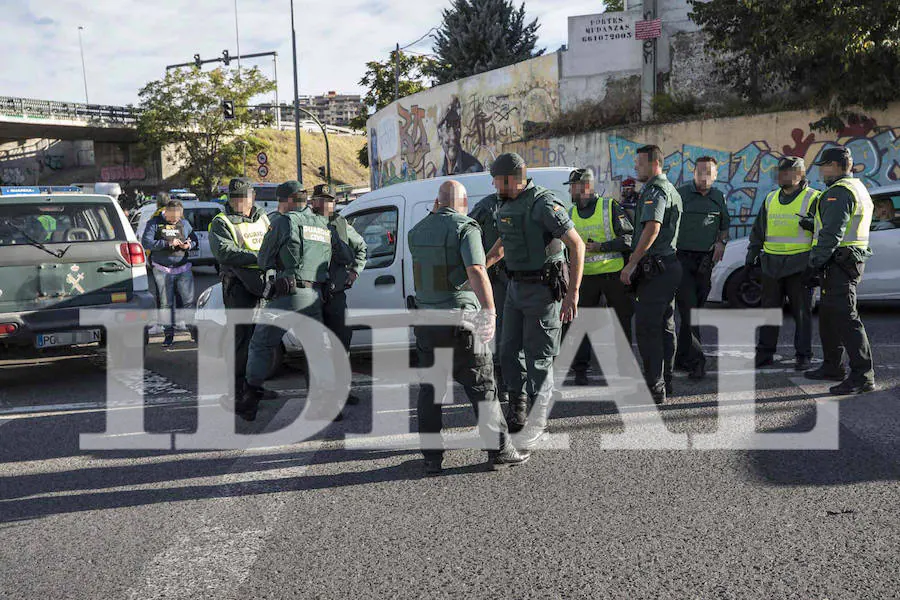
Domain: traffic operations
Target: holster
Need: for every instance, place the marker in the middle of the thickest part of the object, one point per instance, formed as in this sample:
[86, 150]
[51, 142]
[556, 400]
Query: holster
[278, 287]
[843, 257]
[556, 276]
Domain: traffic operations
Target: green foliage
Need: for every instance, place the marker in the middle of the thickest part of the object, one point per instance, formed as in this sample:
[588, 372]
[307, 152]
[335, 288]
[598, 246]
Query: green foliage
[839, 54]
[667, 107]
[363, 155]
[614, 6]
[183, 114]
[480, 35]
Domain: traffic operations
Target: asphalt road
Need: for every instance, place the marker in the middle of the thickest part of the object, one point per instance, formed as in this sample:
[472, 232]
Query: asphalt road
[324, 519]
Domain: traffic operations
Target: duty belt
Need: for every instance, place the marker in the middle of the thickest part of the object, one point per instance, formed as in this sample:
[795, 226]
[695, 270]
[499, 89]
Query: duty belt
[303, 283]
[527, 276]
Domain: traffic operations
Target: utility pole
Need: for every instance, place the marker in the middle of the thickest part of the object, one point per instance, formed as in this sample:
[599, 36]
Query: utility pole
[83, 70]
[277, 106]
[397, 73]
[296, 99]
[648, 74]
[237, 37]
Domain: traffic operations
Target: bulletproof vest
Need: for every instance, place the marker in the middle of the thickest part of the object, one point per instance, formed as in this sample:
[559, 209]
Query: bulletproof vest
[168, 232]
[485, 213]
[526, 245]
[784, 236]
[307, 252]
[857, 231]
[438, 270]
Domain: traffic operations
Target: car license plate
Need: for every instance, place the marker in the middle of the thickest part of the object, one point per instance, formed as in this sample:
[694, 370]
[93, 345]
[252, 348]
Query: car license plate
[68, 338]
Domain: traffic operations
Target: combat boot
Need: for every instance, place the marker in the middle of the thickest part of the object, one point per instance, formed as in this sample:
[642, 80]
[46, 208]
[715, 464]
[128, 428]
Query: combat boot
[248, 404]
[517, 414]
[508, 457]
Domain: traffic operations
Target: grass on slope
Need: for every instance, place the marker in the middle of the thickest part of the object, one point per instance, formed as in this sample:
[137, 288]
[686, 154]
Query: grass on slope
[345, 168]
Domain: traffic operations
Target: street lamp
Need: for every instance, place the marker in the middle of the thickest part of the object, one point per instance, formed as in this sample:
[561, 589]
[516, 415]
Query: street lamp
[83, 70]
[296, 99]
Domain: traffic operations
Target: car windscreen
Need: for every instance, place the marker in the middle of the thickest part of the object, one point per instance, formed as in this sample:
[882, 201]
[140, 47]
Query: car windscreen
[265, 194]
[59, 222]
[200, 218]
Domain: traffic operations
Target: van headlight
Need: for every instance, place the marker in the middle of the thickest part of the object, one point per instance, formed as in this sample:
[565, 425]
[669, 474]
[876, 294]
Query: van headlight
[203, 300]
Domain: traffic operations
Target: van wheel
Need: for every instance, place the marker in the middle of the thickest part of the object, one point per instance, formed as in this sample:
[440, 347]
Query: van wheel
[744, 288]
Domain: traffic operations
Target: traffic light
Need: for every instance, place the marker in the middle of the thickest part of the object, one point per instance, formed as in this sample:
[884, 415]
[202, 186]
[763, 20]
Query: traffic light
[226, 58]
[322, 172]
[198, 61]
[228, 109]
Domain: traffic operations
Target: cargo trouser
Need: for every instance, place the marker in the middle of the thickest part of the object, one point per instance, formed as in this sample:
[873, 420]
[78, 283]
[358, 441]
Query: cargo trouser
[800, 298]
[692, 293]
[267, 335]
[654, 323]
[499, 283]
[334, 315]
[531, 324]
[841, 328]
[473, 369]
[593, 289]
[235, 295]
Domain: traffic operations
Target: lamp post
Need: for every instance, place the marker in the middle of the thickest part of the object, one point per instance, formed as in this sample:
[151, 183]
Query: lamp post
[296, 99]
[83, 70]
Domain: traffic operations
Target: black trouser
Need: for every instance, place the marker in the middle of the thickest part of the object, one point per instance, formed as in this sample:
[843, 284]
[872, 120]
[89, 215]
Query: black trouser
[654, 322]
[473, 368]
[696, 271]
[334, 315]
[235, 295]
[840, 326]
[800, 298]
[499, 281]
[593, 289]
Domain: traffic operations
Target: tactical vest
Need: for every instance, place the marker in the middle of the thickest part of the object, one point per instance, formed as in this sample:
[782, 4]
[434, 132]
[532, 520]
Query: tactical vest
[248, 234]
[438, 270]
[168, 232]
[526, 246]
[857, 231]
[307, 253]
[784, 236]
[599, 227]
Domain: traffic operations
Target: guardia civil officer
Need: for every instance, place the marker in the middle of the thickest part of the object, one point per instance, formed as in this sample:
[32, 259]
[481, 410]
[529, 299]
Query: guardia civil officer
[780, 243]
[535, 230]
[298, 247]
[348, 259]
[701, 243]
[485, 213]
[838, 255]
[606, 232]
[449, 273]
[654, 270]
[235, 237]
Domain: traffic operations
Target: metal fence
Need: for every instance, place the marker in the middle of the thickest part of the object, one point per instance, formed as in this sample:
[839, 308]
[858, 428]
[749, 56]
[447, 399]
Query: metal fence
[48, 109]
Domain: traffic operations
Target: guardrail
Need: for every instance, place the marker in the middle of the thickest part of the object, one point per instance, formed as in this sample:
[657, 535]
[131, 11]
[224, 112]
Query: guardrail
[49, 109]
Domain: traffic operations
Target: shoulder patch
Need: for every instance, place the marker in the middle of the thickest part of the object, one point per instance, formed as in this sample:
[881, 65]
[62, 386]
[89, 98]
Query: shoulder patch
[557, 208]
[831, 199]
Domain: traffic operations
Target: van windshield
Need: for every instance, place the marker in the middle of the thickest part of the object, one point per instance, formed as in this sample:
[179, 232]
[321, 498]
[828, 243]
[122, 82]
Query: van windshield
[21, 224]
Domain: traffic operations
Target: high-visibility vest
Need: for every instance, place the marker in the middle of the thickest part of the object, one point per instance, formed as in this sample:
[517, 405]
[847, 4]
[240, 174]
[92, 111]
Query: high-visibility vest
[248, 234]
[599, 227]
[784, 235]
[857, 231]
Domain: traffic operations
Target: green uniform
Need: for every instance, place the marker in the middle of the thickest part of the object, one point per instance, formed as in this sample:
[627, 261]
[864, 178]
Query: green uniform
[654, 317]
[298, 247]
[704, 221]
[443, 245]
[485, 213]
[841, 248]
[348, 253]
[235, 240]
[783, 248]
[530, 227]
[605, 222]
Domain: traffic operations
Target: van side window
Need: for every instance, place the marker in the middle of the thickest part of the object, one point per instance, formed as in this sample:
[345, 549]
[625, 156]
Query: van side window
[379, 229]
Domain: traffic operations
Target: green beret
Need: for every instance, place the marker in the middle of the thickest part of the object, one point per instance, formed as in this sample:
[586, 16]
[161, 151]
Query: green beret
[507, 164]
[288, 189]
[239, 186]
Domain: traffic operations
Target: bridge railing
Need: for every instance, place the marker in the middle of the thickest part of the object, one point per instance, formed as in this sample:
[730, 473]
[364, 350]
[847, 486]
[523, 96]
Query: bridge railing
[48, 109]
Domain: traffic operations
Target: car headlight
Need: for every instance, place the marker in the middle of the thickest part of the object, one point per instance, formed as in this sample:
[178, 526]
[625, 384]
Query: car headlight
[203, 300]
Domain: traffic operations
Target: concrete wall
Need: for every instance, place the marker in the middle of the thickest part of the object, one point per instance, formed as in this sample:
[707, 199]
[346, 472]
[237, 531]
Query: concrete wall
[747, 148]
[494, 108]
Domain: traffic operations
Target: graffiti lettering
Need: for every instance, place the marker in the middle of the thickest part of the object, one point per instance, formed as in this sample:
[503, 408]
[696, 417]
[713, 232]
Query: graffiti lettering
[120, 173]
[54, 162]
[14, 175]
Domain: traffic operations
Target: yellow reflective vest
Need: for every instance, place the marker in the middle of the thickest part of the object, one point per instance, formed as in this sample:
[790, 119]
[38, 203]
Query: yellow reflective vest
[248, 235]
[599, 228]
[857, 231]
[784, 236]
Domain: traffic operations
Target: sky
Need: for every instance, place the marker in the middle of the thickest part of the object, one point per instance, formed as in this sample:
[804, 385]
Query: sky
[129, 42]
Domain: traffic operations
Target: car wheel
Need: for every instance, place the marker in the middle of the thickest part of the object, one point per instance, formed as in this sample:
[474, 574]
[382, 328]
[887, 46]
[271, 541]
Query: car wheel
[744, 288]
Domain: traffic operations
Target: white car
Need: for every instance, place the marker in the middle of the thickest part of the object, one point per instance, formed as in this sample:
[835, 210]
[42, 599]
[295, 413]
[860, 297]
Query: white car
[733, 282]
[199, 215]
[383, 218]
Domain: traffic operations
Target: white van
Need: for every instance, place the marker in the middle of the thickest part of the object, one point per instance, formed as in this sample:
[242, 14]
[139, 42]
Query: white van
[384, 217]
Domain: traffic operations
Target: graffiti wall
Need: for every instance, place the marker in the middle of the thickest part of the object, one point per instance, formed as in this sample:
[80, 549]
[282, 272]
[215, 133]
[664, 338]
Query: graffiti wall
[747, 148]
[462, 126]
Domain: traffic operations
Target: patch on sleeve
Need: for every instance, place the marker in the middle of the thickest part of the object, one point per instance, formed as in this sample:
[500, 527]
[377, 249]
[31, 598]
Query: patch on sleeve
[831, 199]
[557, 208]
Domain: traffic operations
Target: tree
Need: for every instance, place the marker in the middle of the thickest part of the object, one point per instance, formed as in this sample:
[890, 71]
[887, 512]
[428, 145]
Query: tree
[183, 113]
[480, 35]
[614, 6]
[839, 54]
[379, 82]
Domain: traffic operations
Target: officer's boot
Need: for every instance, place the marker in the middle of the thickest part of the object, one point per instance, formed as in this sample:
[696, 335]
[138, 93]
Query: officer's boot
[508, 457]
[517, 414]
[247, 405]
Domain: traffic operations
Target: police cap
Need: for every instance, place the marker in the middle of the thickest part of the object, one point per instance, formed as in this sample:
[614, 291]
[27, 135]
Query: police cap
[836, 154]
[507, 164]
[791, 163]
[322, 191]
[288, 189]
[579, 175]
[239, 187]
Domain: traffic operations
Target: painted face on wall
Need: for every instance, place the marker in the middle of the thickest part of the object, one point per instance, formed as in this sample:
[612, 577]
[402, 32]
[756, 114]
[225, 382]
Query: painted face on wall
[450, 137]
